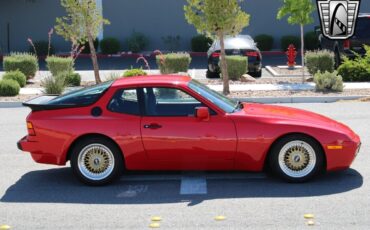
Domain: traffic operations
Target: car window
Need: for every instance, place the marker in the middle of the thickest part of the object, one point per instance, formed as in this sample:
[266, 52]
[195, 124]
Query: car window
[85, 96]
[363, 28]
[169, 102]
[226, 104]
[125, 101]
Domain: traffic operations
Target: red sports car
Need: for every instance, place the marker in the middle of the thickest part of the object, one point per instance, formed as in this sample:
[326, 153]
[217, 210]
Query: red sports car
[176, 123]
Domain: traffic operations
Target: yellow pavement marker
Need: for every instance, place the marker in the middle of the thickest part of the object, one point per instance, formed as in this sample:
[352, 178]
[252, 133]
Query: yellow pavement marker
[156, 218]
[220, 218]
[154, 225]
[4, 227]
[308, 216]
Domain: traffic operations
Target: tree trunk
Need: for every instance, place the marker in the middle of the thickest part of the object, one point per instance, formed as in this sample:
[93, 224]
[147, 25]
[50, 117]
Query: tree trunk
[224, 72]
[94, 59]
[302, 53]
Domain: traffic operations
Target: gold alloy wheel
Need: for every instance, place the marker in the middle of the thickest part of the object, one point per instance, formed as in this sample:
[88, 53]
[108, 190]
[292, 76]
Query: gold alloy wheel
[297, 159]
[96, 162]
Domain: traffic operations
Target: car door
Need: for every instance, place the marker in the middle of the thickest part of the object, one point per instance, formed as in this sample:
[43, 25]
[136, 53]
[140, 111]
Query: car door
[171, 132]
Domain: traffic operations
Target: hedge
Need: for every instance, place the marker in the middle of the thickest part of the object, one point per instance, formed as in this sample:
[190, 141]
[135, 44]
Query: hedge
[236, 66]
[290, 39]
[24, 62]
[9, 87]
[264, 42]
[319, 61]
[17, 76]
[58, 65]
[200, 43]
[173, 62]
[110, 46]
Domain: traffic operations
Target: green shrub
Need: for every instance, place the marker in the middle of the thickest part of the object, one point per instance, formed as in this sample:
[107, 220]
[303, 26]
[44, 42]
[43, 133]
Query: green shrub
[311, 41]
[42, 48]
[134, 72]
[201, 43]
[24, 62]
[71, 79]
[173, 62]
[319, 61]
[328, 81]
[9, 87]
[137, 42]
[236, 66]
[290, 39]
[87, 50]
[57, 65]
[264, 42]
[54, 84]
[17, 76]
[357, 69]
[354, 71]
[110, 46]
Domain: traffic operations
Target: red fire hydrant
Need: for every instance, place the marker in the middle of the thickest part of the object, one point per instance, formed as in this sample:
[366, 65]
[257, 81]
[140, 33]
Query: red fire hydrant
[292, 55]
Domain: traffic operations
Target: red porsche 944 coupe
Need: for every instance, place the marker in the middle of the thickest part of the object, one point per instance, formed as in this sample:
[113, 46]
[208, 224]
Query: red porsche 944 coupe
[176, 123]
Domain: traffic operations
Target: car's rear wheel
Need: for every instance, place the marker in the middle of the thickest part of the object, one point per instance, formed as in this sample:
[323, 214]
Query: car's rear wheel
[296, 158]
[96, 161]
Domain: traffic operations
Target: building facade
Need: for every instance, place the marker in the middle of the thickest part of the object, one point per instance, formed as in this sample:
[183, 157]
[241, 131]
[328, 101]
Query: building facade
[22, 19]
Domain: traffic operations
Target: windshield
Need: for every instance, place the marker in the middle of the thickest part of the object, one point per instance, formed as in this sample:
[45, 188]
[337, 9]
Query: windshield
[226, 104]
[85, 96]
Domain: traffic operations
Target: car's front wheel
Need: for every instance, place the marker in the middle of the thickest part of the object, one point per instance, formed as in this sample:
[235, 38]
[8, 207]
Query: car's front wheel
[96, 161]
[296, 158]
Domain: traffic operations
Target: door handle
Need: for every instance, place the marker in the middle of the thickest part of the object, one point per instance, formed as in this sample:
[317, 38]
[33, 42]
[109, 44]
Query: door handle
[152, 126]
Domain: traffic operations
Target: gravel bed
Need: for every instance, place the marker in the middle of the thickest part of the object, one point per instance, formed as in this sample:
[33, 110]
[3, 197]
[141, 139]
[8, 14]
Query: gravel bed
[312, 93]
[286, 71]
[275, 80]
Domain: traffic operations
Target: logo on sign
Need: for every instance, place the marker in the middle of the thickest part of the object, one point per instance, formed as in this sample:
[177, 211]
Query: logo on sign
[338, 17]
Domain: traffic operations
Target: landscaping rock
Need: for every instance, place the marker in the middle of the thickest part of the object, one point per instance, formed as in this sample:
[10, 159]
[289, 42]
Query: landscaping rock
[247, 78]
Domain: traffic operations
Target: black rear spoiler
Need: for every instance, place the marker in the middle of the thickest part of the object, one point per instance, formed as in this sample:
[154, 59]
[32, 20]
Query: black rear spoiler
[41, 103]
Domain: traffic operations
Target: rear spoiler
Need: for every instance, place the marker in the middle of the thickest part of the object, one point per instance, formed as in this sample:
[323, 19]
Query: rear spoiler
[41, 103]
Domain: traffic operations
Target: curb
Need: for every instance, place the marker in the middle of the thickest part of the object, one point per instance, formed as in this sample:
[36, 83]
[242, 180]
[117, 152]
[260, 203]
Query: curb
[263, 100]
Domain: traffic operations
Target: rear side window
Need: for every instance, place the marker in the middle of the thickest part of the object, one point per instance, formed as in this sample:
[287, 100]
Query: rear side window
[363, 27]
[125, 101]
[85, 96]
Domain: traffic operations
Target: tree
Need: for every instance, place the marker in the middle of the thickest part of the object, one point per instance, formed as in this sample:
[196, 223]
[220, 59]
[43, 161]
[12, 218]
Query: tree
[217, 18]
[300, 12]
[82, 23]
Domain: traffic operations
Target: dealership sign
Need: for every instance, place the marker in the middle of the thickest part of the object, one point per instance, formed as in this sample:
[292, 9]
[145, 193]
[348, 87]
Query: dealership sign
[338, 17]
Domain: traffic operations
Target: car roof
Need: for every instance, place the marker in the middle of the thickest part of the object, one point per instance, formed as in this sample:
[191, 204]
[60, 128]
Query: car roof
[235, 42]
[360, 15]
[152, 79]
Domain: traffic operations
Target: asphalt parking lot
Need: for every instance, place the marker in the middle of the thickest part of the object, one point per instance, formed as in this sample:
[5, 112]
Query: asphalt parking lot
[34, 196]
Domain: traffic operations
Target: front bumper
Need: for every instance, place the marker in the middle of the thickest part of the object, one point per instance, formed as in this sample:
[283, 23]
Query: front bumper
[338, 159]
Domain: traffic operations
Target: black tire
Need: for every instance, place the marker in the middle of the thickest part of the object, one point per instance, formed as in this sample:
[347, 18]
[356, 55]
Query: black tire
[114, 173]
[315, 168]
[211, 74]
[257, 74]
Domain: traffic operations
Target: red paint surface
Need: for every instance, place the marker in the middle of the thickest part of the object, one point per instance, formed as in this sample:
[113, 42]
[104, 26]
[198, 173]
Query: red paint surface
[235, 141]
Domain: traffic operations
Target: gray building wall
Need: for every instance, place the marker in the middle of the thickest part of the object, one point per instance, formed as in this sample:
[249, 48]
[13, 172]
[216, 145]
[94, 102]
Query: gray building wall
[154, 18]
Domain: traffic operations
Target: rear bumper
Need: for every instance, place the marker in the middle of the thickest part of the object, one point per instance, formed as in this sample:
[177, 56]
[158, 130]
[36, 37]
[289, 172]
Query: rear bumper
[37, 154]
